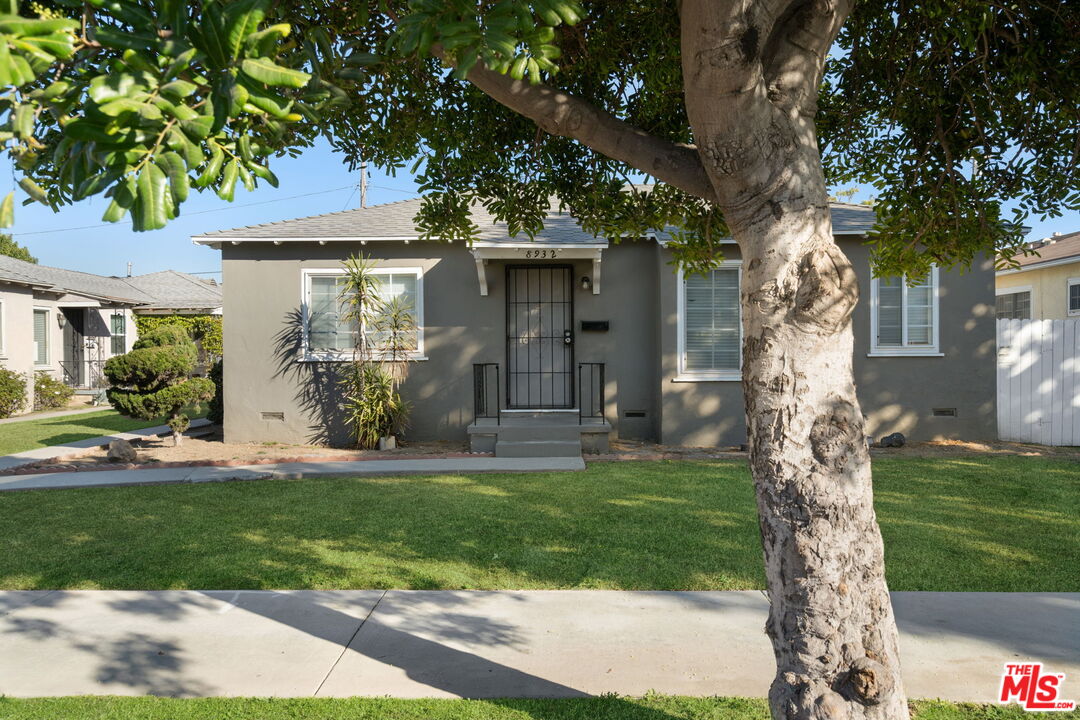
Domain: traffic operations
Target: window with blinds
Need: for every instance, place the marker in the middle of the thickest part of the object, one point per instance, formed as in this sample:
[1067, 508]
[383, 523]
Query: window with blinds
[710, 323]
[1074, 296]
[41, 337]
[118, 331]
[905, 315]
[329, 334]
[1013, 306]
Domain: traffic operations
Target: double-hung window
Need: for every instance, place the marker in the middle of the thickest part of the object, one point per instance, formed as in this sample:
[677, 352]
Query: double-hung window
[118, 331]
[1073, 288]
[327, 333]
[41, 336]
[710, 325]
[904, 317]
[1013, 304]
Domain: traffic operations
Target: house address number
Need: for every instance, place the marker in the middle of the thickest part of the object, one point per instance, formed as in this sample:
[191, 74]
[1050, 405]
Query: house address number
[539, 254]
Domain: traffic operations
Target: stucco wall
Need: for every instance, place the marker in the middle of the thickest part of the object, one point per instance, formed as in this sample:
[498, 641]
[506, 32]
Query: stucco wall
[1049, 289]
[17, 351]
[264, 373]
[265, 379]
[897, 394]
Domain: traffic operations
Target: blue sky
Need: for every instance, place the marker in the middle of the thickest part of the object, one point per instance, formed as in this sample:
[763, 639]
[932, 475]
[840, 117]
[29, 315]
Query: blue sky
[316, 182]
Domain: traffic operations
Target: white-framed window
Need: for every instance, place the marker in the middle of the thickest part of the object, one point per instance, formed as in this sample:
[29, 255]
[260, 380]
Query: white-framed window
[41, 336]
[1073, 296]
[904, 319]
[710, 324]
[326, 336]
[118, 333]
[1014, 303]
[3, 329]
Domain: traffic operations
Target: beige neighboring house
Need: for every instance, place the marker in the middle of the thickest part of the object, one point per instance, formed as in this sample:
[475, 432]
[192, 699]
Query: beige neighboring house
[1046, 286]
[68, 323]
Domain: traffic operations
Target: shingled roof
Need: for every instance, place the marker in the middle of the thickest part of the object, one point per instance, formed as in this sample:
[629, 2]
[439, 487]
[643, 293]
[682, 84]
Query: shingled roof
[161, 290]
[1055, 250]
[394, 221]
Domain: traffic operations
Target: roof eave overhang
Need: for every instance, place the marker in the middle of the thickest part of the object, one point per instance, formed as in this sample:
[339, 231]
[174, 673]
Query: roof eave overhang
[1039, 266]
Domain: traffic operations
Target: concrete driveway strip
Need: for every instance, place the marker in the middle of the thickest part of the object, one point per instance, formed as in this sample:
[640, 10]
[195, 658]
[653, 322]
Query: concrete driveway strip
[488, 644]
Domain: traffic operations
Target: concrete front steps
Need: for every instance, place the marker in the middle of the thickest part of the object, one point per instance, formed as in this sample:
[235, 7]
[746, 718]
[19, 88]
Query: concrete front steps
[538, 434]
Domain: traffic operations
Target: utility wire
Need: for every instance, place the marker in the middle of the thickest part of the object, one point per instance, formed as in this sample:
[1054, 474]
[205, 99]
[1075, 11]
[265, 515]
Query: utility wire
[213, 210]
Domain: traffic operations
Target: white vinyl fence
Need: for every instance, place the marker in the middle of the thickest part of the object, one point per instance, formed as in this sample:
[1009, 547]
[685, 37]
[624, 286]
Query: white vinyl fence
[1038, 381]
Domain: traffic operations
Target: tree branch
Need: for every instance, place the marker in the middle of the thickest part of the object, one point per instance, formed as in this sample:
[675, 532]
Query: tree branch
[560, 113]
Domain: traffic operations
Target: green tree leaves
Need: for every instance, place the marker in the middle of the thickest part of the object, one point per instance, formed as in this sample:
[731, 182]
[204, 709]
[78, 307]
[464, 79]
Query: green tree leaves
[161, 95]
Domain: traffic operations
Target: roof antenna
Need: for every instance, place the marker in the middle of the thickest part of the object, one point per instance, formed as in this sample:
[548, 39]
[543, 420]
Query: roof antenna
[129, 269]
[363, 183]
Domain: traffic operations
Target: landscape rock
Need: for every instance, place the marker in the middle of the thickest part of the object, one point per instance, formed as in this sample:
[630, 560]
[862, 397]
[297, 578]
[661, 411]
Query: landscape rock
[121, 451]
[895, 440]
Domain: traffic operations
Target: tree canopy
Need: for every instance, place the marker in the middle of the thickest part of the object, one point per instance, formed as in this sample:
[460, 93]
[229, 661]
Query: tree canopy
[946, 109]
[9, 247]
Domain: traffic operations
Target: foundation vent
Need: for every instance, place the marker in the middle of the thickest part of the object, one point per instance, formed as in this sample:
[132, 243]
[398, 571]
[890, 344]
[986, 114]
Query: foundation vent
[634, 413]
[275, 416]
[944, 412]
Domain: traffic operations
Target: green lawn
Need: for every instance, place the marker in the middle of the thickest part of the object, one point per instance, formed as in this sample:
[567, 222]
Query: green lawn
[653, 707]
[44, 432]
[1006, 524]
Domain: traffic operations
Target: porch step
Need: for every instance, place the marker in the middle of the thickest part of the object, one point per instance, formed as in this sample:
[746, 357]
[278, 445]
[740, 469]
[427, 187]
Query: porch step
[537, 448]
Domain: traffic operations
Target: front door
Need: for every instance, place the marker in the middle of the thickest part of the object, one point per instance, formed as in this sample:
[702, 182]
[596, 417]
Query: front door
[74, 346]
[540, 337]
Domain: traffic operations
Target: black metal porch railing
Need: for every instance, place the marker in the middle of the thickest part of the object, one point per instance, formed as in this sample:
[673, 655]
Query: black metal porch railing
[487, 392]
[84, 374]
[591, 392]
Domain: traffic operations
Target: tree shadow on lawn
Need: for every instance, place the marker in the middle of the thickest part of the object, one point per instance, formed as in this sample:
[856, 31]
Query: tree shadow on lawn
[644, 529]
[948, 525]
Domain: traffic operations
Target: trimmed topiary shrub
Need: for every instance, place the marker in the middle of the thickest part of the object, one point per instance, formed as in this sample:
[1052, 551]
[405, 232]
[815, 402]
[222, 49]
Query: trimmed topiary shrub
[50, 393]
[215, 409]
[12, 392]
[155, 379]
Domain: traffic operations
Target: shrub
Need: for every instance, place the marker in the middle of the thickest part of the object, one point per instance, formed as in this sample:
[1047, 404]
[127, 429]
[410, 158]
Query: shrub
[50, 393]
[373, 405]
[154, 379]
[216, 407]
[205, 330]
[12, 392]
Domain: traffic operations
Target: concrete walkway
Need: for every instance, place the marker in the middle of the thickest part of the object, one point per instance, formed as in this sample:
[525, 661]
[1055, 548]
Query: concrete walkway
[357, 468]
[28, 456]
[488, 644]
[52, 414]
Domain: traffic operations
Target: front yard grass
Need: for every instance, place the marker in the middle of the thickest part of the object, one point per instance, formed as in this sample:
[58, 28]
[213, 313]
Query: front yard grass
[652, 707]
[950, 524]
[45, 432]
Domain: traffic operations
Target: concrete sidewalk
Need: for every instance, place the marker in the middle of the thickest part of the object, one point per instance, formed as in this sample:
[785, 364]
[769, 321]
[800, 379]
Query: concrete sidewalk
[28, 456]
[53, 414]
[296, 470]
[487, 644]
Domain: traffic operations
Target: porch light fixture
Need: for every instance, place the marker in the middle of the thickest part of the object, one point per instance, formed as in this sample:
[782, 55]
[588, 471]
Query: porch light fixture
[61, 320]
[586, 284]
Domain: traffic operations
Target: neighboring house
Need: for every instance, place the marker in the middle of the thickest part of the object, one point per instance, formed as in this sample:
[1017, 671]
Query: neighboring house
[1046, 286]
[513, 331]
[68, 323]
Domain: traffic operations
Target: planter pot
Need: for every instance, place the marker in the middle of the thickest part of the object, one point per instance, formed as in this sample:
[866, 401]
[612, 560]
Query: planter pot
[388, 443]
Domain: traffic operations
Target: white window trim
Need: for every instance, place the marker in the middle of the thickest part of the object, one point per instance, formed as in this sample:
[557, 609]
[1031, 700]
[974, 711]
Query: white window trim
[3, 330]
[905, 350]
[1068, 291]
[685, 375]
[307, 355]
[1030, 291]
[48, 339]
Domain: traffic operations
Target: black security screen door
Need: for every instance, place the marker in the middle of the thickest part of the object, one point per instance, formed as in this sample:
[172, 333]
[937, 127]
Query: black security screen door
[539, 337]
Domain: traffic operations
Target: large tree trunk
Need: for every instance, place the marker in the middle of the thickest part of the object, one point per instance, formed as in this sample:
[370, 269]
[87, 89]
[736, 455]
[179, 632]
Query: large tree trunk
[752, 72]
[831, 621]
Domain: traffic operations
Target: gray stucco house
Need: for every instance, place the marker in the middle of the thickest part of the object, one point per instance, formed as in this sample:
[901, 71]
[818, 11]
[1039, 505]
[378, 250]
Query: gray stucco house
[529, 343]
[68, 323]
